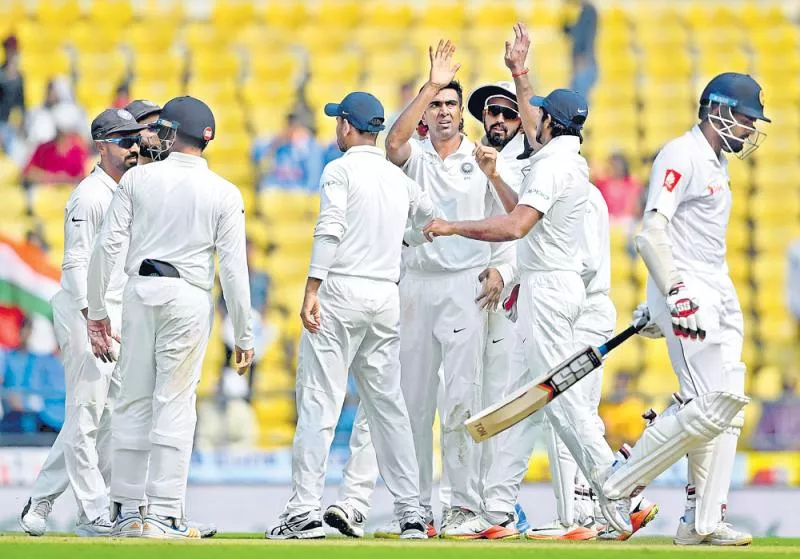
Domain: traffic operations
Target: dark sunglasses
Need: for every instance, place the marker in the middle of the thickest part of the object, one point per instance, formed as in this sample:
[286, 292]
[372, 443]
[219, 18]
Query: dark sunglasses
[126, 142]
[507, 112]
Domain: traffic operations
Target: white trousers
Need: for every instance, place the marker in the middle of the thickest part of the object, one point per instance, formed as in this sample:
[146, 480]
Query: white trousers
[549, 306]
[442, 325]
[81, 454]
[360, 332]
[595, 326]
[711, 365]
[165, 328]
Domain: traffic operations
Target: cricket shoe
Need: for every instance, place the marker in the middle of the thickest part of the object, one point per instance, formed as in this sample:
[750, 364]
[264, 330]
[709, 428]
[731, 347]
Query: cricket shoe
[206, 529]
[392, 531]
[98, 528]
[447, 514]
[346, 519]
[557, 531]
[723, 535]
[413, 527]
[466, 525]
[34, 516]
[299, 527]
[641, 515]
[127, 524]
[168, 528]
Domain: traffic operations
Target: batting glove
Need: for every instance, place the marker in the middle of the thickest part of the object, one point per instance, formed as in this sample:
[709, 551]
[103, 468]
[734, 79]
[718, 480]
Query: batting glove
[510, 304]
[684, 310]
[651, 330]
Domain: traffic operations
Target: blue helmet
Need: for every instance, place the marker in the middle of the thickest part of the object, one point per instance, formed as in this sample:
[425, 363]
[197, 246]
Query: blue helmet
[738, 91]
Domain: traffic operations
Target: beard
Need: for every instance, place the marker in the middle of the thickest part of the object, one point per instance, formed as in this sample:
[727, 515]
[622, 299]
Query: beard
[498, 135]
[130, 161]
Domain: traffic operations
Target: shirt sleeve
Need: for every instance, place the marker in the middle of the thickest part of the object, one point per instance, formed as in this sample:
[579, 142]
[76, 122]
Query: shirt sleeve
[233, 273]
[421, 208]
[539, 190]
[332, 202]
[413, 159]
[112, 237]
[669, 181]
[82, 221]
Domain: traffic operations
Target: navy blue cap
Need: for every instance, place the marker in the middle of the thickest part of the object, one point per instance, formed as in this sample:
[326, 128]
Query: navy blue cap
[739, 91]
[362, 110]
[565, 106]
[193, 117]
[114, 121]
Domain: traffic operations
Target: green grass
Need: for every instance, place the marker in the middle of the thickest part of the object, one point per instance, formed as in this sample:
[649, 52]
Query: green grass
[13, 545]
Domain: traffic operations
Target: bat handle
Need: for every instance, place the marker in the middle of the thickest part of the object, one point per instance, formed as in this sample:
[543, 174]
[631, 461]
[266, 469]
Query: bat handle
[623, 336]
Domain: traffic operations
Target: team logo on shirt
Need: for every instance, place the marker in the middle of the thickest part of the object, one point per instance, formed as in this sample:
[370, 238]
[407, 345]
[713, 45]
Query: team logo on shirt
[467, 168]
[714, 188]
[525, 170]
[671, 179]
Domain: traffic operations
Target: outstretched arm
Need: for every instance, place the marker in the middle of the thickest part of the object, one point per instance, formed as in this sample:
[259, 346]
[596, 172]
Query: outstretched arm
[442, 72]
[509, 227]
[515, 57]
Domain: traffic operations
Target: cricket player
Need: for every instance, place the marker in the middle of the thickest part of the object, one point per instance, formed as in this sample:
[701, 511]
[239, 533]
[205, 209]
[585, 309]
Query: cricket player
[351, 315]
[691, 297]
[81, 454]
[177, 214]
[549, 217]
[441, 321]
[145, 112]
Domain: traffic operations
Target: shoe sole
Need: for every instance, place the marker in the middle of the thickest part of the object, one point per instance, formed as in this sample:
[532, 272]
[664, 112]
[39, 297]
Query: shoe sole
[578, 534]
[315, 534]
[501, 533]
[128, 530]
[711, 543]
[386, 536]
[334, 519]
[414, 535]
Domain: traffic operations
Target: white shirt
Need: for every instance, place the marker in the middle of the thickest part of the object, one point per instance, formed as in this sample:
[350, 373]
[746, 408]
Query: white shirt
[458, 188]
[177, 211]
[558, 186]
[365, 202]
[690, 186]
[83, 217]
[596, 245]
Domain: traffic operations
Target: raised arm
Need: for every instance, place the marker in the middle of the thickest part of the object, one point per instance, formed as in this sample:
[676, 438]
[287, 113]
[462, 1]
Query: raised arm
[515, 57]
[442, 72]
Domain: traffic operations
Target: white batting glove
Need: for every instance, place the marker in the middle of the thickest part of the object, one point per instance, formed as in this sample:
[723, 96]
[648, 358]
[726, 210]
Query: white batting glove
[651, 330]
[684, 309]
[510, 304]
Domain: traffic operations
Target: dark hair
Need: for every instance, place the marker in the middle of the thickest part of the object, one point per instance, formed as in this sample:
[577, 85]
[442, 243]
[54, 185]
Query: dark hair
[454, 85]
[558, 129]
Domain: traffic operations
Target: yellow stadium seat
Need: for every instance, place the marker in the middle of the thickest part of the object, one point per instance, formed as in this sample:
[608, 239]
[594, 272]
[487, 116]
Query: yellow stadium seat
[662, 36]
[58, 12]
[770, 302]
[769, 270]
[320, 92]
[738, 260]
[14, 203]
[282, 15]
[201, 35]
[215, 92]
[667, 65]
[422, 37]
[258, 39]
[13, 12]
[379, 39]
[382, 15]
[449, 14]
[49, 201]
[657, 382]
[160, 91]
[767, 384]
[155, 11]
[274, 437]
[281, 96]
[93, 93]
[339, 13]
[711, 62]
[775, 207]
[397, 66]
[281, 205]
[159, 66]
[274, 410]
[231, 15]
[45, 66]
[776, 39]
[111, 14]
[16, 228]
[210, 65]
[111, 65]
[318, 39]
[281, 66]
[293, 236]
[499, 14]
[54, 233]
[156, 38]
[336, 66]
[37, 39]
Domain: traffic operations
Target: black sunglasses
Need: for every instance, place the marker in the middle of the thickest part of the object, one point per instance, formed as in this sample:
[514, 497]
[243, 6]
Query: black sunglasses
[126, 142]
[507, 112]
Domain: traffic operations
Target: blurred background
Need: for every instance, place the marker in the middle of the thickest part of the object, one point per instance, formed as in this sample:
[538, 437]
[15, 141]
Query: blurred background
[267, 67]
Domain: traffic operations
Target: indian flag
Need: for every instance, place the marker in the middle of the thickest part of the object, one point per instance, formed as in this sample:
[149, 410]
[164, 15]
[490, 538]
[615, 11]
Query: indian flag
[27, 280]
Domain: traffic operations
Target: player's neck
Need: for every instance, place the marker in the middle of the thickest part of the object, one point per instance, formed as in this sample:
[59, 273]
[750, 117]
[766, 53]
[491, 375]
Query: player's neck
[110, 172]
[711, 137]
[446, 147]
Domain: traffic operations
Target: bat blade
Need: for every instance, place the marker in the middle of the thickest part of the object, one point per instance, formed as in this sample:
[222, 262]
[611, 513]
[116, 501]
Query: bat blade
[533, 396]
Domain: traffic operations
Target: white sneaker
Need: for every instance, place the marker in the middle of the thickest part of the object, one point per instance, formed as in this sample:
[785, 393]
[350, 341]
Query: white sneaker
[557, 531]
[34, 517]
[300, 527]
[723, 535]
[390, 531]
[413, 527]
[447, 514]
[206, 529]
[345, 518]
[641, 515]
[618, 514]
[167, 527]
[97, 528]
[127, 524]
[466, 525]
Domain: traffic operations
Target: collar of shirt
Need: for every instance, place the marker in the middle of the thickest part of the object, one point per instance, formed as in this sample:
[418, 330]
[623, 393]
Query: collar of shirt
[365, 149]
[187, 160]
[104, 177]
[559, 144]
[704, 147]
[464, 150]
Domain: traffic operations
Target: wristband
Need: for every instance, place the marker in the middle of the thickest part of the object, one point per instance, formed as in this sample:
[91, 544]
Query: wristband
[518, 74]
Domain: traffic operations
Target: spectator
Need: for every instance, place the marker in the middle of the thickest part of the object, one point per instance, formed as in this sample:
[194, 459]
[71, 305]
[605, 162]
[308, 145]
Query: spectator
[122, 96]
[583, 34]
[33, 389]
[39, 122]
[12, 95]
[407, 94]
[63, 159]
[621, 191]
[292, 160]
[779, 426]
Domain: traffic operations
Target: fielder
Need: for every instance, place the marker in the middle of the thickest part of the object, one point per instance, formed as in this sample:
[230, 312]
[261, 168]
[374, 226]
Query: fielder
[81, 454]
[692, 299]
[351, 315]
[145, 112]
[549, 216]
[177, 214]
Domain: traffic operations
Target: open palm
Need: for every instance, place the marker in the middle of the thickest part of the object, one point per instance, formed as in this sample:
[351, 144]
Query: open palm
[517, 53]
[443, 70]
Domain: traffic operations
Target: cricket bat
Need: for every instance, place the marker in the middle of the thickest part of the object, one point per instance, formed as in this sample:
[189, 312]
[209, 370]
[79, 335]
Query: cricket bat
[536, 394]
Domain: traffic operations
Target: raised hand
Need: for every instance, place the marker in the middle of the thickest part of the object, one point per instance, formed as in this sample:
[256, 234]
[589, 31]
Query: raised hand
[517, 53]
[486, 157]
[443, 70]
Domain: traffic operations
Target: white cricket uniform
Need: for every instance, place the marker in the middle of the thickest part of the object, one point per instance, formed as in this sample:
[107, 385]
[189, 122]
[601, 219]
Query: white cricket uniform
[441, 322]
[365, 204]
[594, 327]
[179, 212]
[81, 454]
[690, 186]
[550, 301]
